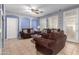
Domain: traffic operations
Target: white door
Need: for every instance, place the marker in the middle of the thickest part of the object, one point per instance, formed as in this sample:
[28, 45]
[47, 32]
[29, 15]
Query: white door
[12, 26]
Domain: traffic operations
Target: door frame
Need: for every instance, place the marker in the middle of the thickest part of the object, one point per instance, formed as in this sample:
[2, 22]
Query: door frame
[11, 16]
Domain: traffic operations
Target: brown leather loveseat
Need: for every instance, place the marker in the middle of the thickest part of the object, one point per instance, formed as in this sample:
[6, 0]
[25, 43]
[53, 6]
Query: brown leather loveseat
[26, 33]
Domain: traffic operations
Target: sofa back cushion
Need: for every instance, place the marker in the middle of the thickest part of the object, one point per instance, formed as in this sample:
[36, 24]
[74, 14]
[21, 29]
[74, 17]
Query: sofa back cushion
[53, 36]
[55, 30]
[27, 30]
[46, 30]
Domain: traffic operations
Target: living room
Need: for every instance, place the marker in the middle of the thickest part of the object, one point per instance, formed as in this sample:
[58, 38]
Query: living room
[41, 29]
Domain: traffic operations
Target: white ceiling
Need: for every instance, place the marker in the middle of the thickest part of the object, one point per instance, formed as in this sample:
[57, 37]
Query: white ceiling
[20, 9]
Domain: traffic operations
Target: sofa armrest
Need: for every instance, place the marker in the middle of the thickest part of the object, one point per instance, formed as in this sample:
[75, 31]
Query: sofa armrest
[37, 39]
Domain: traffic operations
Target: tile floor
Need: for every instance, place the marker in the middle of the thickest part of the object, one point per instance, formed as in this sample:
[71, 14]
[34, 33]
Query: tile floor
[27, 47]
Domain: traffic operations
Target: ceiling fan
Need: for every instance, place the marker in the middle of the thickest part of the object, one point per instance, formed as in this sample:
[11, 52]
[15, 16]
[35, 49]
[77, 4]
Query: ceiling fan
[34, 10]
[37, 11]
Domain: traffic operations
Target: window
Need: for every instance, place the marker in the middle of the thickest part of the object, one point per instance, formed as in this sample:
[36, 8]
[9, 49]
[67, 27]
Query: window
[43, 23]
[53, 21]
[70, 18]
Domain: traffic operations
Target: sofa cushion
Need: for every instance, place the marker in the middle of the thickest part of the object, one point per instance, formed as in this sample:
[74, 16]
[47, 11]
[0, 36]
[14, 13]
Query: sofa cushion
[53, 36]
[45, 35]
[45, 42]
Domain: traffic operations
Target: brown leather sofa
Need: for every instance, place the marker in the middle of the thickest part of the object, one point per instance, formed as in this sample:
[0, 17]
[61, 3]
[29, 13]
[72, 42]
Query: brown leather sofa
[26, 33]
[55, 43]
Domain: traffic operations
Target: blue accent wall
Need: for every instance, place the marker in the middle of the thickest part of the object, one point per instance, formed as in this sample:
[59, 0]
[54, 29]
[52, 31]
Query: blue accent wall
[35, 23]
[47, 22]
[25, 23]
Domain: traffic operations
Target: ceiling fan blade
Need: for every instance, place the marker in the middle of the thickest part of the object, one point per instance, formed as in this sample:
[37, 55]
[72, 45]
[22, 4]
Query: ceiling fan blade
[41, 11]
[36, 12]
